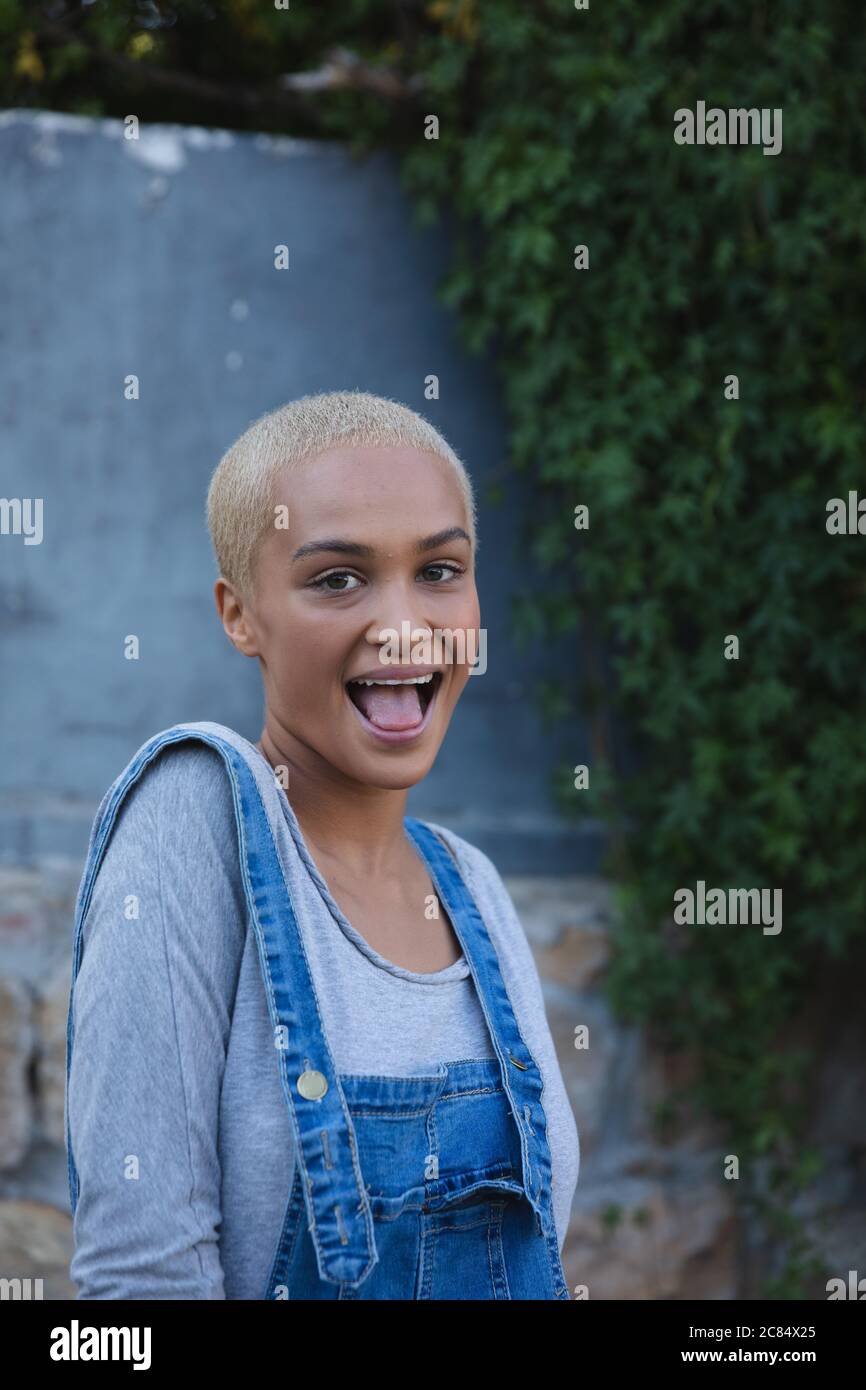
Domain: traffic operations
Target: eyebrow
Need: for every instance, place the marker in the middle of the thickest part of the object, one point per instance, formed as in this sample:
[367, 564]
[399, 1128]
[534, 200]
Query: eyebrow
[337, 545]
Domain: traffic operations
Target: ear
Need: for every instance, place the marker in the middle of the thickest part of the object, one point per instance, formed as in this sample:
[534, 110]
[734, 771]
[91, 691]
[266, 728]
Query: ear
[236, 617]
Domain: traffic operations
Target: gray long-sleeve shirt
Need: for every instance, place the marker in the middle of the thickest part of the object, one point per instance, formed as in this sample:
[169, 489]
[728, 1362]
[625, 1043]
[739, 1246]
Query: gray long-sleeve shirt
[178, 1124]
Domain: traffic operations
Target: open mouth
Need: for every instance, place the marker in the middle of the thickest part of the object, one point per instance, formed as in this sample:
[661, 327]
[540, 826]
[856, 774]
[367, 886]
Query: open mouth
[395, 708]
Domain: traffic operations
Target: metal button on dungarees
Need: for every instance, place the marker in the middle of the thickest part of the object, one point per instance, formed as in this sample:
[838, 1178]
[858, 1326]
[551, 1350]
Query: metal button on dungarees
[312, 1085]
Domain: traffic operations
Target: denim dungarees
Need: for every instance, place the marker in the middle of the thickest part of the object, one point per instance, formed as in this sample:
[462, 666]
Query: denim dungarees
[435, 1186]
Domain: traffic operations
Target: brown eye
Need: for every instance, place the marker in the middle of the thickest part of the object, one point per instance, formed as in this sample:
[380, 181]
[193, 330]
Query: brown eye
[450, 572]
[335, 582]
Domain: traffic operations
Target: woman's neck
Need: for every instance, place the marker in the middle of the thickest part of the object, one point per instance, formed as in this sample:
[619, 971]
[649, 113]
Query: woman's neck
[359, 827]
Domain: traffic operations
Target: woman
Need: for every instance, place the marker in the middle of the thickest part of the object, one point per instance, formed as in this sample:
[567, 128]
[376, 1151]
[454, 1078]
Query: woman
[311, 1058]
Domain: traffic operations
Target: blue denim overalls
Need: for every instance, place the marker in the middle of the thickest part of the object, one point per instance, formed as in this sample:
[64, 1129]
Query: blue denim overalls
[421, 1187]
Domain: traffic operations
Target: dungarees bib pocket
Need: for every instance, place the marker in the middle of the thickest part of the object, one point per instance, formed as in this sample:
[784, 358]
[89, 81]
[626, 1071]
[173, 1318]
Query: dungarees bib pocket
[442, 1166]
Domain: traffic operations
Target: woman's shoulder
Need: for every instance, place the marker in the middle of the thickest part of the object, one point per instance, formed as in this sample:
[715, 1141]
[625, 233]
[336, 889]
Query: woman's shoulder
[179, 764]
[507, 932]
[177, 799]
[483, 879]
[464, 851]
[171, 832]
[186, 768]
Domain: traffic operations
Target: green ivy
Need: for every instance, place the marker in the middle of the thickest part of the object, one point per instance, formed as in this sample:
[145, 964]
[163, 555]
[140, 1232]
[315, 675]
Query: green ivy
[707, 515]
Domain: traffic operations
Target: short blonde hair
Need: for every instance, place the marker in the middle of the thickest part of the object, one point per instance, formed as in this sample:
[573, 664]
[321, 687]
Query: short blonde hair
[240, 507]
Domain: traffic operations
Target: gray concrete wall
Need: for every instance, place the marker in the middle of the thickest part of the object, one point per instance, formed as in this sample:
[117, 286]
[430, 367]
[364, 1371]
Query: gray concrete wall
[155, 257]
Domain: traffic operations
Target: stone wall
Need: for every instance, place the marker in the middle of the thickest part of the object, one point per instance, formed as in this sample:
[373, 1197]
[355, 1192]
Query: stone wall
[37, 907]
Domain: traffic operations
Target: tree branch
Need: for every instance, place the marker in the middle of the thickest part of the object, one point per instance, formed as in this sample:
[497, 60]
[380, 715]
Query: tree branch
[341, 69]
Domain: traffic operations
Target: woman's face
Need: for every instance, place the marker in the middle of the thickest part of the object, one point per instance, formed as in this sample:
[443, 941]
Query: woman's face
[377, 539]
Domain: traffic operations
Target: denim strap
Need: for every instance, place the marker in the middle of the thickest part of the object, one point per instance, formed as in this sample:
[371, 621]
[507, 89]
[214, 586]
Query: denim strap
[521, 1077]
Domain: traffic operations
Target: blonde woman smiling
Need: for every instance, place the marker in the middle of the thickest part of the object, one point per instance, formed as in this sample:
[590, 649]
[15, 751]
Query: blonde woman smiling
[307, 1051]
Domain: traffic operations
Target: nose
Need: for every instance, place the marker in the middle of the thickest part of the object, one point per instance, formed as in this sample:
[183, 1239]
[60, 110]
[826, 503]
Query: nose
[403, 631]
[398, 613]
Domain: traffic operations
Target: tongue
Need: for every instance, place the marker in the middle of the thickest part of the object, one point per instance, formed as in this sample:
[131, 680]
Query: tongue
[389, 706]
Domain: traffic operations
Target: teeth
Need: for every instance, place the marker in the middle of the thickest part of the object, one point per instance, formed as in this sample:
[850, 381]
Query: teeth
[410, 680]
